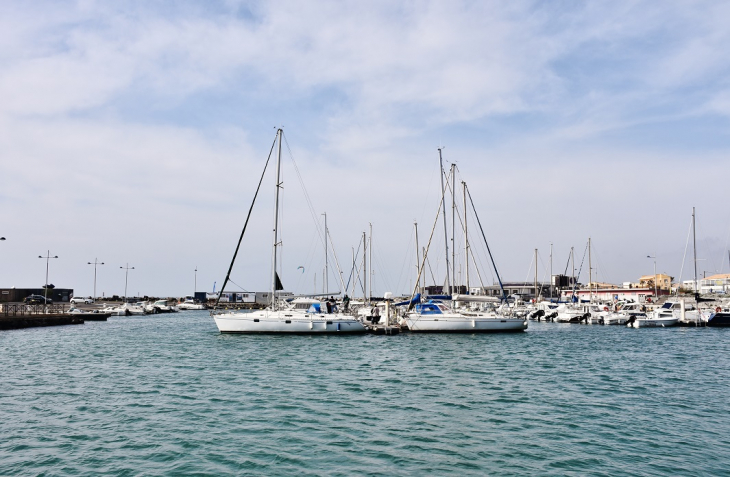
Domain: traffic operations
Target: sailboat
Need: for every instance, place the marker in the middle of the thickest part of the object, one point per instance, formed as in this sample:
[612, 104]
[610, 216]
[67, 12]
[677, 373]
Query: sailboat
[443, 316]
[280, 317]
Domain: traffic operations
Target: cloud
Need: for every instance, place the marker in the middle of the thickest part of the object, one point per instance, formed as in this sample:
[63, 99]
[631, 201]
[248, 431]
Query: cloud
[151, 122]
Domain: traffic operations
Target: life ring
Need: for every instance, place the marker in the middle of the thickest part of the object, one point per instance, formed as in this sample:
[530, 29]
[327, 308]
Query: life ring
[605, 308]
[718, 309]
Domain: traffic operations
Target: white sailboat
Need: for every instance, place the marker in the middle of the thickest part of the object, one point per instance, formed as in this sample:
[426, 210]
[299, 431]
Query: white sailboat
[278, 317]
[438, 316]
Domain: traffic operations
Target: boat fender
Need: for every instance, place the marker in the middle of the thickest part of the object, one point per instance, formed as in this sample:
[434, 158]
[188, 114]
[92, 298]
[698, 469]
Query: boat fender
[338, 327]
[718, 309]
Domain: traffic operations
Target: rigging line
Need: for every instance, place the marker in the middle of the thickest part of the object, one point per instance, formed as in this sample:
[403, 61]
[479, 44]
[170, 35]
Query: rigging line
[352, 269]
[476, 267]
[479, 222]
[306, 194]
[684, 258]
[532, 259]
[238, 246]
[337, 262]
[428, 246]
[239, 286]
[575, 283]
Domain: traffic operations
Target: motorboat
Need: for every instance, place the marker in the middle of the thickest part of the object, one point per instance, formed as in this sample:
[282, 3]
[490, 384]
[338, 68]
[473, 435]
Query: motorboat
[191, 304]
[160, 306]
[665, 316]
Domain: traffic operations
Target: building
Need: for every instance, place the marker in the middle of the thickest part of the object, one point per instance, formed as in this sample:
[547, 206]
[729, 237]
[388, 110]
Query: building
[9, 295]
[663, 281]
[638, 295]
[719, 283]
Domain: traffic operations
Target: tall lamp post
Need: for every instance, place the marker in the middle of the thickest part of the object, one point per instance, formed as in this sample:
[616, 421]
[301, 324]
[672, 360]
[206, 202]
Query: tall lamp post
[95, 263]
[45, 296]
[655, 294]
[126, 278]
[195, 290]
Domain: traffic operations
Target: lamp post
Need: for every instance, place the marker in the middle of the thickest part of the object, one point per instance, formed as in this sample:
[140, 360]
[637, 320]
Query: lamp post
[95, 263]
[195, 290]
[655, 291]
[45, 296]
[126, 279]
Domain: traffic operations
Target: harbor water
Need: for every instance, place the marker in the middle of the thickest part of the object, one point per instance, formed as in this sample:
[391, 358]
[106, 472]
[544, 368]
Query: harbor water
[170, 395]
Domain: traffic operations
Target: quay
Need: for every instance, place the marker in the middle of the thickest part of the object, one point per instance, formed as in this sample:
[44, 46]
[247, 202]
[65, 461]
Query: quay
[15, 316]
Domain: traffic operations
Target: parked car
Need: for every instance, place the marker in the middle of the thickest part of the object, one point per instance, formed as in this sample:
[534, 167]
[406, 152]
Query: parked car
[37, 300]
[80, 299]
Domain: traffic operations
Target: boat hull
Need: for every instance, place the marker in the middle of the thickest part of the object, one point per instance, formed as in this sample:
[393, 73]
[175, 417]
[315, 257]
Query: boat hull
[440, 324]
[286, 323]
[719, 320]
[654, 322]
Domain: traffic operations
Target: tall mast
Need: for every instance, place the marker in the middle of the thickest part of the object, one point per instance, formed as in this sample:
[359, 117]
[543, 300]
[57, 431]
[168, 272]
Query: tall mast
[446, 235]
[326, 263]
[353, 273]
[364, 269]
[418, 261]
[370, 259]
[590, 273]
[466, 242]
[279, 132]
[551, 271]
[572, 260]
[694, 246]
[453, 225]
[535, 276]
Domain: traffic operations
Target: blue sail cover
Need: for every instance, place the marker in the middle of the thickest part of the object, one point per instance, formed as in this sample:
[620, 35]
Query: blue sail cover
[416, 299]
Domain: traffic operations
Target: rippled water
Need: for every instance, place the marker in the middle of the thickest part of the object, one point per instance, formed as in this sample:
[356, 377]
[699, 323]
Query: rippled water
[169, 395]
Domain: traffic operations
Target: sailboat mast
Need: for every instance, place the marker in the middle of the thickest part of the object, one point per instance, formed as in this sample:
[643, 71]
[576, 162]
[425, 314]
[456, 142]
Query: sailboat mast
[446, 235]
[694, 246]
[466, 242]
[326, 263]
[572, 260]
[453, 225]
[590, 273]
[418, 260]
[551, 271]
[535, 276]
[370, 259]
[364, 269]
[279, 132]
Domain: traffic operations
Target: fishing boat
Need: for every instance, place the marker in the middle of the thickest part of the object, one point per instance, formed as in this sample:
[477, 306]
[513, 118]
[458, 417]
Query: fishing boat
[279, 317]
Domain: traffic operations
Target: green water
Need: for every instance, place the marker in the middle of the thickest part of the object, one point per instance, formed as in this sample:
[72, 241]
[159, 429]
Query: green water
[169, 395]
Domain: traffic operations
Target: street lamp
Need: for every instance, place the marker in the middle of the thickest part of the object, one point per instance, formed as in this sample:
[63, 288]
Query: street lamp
[45, 296]
[655, 293]
[195, 290]
[95, 263]
[2, 238]
[126, 277]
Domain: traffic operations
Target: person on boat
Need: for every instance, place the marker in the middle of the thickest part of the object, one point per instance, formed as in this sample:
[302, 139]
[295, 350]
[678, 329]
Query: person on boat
[346, 303]
[375, 314]
[333, 304]
[328, 304]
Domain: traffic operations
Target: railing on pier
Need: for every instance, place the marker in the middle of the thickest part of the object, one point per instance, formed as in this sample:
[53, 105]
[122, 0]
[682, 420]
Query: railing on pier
[16, 309]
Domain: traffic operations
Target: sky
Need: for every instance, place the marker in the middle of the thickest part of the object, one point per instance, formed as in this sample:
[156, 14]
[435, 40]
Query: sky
[135, 132]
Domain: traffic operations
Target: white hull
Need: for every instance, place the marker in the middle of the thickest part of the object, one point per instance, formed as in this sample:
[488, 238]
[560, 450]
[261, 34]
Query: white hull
[654, 322]
[463, 324]
[286, 321]
[191, 306]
